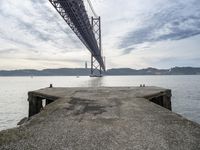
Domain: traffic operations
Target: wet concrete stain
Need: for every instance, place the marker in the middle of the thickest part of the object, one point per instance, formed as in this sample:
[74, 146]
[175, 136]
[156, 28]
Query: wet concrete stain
[81, 106]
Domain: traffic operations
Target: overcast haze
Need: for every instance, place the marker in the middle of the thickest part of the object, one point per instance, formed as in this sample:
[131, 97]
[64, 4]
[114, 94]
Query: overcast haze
[136, 34]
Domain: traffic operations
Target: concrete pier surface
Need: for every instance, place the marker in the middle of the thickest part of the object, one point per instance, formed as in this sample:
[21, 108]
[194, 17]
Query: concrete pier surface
[114, 118]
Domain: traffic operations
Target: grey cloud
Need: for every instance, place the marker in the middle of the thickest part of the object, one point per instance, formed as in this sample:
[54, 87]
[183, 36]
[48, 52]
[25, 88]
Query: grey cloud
[9, 50]
[28, 27]
[16, 41]
[57, 31]
[173, 22]
[14, 51]
[175, 61]
[59, 24]
[128, 50]
[55, 59]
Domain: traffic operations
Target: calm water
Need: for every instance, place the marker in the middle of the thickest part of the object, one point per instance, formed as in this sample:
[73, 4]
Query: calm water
[13, 92]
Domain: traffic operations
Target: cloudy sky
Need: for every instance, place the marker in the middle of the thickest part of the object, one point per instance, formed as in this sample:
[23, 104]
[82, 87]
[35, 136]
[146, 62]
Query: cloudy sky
[136, 34]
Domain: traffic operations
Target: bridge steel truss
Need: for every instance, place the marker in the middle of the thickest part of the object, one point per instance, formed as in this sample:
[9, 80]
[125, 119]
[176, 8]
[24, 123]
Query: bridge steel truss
[75, 15]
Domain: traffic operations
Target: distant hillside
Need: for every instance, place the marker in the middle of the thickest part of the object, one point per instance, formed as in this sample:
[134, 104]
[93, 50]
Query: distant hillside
[185, 71]
[109, 72]
[128, 71]
[47, 72]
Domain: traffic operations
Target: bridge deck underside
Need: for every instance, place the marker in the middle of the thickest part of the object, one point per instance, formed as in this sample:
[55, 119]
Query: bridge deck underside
[75, 15]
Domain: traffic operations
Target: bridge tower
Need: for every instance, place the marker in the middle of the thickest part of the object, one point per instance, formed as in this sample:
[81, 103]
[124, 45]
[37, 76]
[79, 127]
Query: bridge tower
[96, 68]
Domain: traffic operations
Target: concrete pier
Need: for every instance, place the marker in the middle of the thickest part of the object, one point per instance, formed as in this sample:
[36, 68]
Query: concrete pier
[159, 96]
[102, 118]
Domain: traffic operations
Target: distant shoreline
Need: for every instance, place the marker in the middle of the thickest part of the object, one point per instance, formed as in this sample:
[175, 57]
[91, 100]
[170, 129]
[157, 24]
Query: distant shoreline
[109, 72]
[103, 75]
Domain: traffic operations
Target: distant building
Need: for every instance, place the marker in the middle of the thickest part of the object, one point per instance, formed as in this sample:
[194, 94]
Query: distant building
[86, 65]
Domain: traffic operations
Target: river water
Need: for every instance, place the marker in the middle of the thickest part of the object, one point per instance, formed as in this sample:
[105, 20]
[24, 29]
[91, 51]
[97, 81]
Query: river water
[13, 92]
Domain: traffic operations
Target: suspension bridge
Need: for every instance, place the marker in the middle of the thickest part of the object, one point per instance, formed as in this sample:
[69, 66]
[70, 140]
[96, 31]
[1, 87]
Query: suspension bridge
[87, 29]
